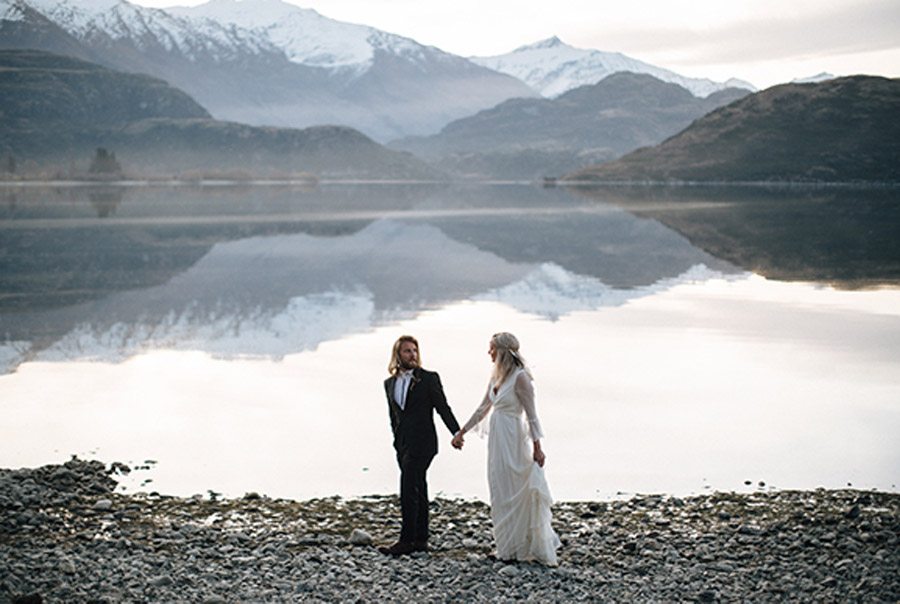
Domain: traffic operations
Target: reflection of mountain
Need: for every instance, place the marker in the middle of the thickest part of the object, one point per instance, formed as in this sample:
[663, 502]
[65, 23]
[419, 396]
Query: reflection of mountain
[63, 246]
[277, 294]
[847, 236]
[598, 240]
[551, 291]
[272, 293]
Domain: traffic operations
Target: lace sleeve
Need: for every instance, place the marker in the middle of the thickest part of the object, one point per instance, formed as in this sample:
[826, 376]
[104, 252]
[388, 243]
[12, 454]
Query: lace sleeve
[481, 412]
[525, 394]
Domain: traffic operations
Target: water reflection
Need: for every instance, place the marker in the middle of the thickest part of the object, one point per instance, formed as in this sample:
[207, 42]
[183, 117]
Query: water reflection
[106, 199]
[219, 320]
[845, 236]
[225, 275]
[703, 385]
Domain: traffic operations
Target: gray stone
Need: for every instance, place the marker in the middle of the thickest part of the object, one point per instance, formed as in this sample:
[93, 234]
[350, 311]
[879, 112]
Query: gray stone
[510, 570]
[162, 581]
[772, 546]
[67, 566]
[360, 537]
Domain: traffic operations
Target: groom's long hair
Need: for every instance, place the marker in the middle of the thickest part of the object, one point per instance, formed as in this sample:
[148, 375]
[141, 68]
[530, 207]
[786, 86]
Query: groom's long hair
[394, 365]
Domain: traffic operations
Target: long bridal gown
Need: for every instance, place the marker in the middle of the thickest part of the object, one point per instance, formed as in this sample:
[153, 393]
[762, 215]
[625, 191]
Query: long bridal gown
[520, 497]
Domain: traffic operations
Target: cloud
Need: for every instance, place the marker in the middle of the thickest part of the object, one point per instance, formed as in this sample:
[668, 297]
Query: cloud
[867, 26]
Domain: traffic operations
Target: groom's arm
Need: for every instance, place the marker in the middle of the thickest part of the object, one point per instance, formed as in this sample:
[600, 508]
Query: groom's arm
[391, 414]
[439, 400]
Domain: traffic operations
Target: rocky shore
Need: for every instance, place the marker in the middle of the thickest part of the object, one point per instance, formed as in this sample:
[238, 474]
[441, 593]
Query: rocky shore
[67, 536]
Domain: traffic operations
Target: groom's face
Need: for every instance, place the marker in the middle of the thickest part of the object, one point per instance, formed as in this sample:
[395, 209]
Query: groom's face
[409, 355]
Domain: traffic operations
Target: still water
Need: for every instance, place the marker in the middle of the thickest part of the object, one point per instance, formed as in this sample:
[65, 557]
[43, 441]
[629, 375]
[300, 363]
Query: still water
[238, 336]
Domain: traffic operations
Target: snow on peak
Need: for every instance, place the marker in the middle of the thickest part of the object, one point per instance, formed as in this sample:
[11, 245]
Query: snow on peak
[10, 10]
[244, 13]
[738, 83]
[553, 42]
[821, 77]
[552, 68]
[75, 16]
[122, 20]
[304, 35]
[223, 27]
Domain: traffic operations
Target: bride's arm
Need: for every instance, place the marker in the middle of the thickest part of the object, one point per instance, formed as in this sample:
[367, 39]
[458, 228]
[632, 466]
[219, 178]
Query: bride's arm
[525, 394]
[477, 416]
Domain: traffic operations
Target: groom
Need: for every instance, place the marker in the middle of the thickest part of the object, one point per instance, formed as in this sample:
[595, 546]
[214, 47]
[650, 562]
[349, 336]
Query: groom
[413, 394]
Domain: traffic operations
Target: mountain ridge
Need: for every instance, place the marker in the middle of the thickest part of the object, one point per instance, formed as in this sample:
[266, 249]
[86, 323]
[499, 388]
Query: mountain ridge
[834, 131]
[239, 73]
[275, 64]
[553, 68]
[531, 138]
[58, 110]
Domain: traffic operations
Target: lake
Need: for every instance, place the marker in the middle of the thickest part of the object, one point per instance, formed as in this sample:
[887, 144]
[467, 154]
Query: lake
[235, 338]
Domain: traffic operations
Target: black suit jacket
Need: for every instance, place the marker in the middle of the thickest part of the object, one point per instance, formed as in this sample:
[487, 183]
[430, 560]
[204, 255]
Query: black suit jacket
[413, 426]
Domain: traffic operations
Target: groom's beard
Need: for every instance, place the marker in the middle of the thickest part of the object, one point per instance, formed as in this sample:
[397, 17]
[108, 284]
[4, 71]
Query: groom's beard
[407, 365]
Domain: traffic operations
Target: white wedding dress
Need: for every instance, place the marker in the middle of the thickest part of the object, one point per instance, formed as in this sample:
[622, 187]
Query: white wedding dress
[520, 497]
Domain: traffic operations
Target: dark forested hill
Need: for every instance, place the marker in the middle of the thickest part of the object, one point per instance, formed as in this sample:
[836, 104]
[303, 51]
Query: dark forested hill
[55, 111]
[841, 130]
[38, 89]
[536, 137]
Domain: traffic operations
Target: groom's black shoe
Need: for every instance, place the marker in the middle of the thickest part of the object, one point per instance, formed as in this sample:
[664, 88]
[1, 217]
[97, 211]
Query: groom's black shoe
[401, 548]
[420, 546]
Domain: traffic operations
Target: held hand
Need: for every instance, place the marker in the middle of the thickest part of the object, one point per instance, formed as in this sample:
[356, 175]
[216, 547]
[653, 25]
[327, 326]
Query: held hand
[539, 456]
[458, 441]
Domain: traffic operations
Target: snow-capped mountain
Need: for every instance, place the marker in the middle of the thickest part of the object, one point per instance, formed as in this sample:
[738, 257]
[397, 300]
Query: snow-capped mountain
[552, 68]
[305, 36]
[106, 22]
[267, 62]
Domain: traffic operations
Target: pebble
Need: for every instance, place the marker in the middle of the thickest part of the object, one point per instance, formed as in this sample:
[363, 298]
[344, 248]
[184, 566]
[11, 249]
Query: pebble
[716, 547]
[509, 571]
[360, 537]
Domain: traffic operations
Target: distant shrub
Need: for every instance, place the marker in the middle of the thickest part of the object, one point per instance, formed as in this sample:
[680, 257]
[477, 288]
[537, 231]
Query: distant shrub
[105, 162]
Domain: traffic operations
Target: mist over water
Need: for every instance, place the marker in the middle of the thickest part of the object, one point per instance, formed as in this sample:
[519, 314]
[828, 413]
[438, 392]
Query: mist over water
[238, 337]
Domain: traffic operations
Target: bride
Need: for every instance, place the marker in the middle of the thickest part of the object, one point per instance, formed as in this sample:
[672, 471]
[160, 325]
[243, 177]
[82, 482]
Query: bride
[520, 497]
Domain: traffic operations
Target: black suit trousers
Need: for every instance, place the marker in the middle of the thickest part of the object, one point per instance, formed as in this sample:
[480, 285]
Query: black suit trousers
[413, 497]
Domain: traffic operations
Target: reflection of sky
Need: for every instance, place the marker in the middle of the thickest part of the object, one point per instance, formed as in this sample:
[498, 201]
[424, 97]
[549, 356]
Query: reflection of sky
[706, 382]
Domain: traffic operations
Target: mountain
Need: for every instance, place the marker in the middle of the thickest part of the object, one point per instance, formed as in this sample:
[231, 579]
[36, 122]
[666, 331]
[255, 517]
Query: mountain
[42, 88]
[268, 62]
[552, 67]
[530, 138]
[57, 110]
[844, 129]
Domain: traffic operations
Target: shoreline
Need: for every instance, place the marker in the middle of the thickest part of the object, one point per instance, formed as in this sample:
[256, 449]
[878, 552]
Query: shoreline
[66, 535]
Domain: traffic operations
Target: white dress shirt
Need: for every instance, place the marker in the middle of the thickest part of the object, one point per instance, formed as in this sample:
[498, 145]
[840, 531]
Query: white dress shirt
[401, 387]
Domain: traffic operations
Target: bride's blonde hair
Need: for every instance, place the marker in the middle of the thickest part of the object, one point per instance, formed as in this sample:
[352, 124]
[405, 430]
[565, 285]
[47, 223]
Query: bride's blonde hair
[508, 357]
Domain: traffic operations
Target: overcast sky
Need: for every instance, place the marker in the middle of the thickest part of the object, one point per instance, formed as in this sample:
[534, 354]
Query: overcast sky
[762, 41]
